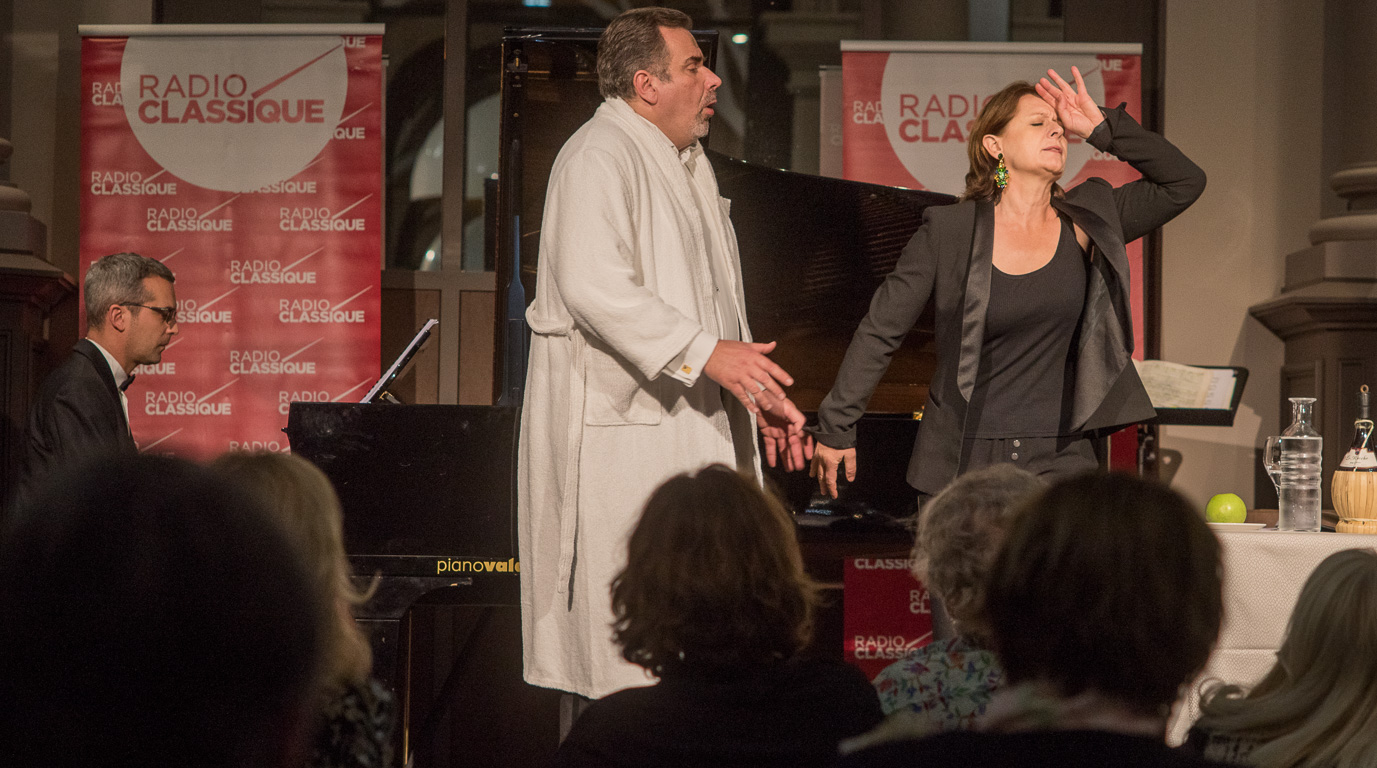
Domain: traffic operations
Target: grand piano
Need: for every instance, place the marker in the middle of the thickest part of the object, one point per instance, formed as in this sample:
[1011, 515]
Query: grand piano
[428, 491]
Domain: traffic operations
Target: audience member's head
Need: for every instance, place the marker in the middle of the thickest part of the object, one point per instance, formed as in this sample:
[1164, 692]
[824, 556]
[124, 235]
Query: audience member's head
[1108, 585]
[1318, 704]
[304, 503]
[713, 577]
[960, 532]
[152, 613]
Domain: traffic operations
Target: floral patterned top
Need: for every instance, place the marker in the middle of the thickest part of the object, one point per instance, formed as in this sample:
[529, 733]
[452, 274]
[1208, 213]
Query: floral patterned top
[1220, 747]
[356, 729]
[947, 683]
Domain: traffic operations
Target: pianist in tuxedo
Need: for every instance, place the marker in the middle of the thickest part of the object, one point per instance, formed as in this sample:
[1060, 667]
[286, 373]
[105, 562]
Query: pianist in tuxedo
[1031, 288]
[641, 363]
[82, 410]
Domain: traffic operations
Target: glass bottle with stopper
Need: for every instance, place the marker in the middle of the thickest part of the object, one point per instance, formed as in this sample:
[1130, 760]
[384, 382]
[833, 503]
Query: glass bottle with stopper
[1354, 485]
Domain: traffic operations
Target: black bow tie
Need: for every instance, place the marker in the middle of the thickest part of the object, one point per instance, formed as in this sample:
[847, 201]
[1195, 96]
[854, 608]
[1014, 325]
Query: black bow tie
[127, 382]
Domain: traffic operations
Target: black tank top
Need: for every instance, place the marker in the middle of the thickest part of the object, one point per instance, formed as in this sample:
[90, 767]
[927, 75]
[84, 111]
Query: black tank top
[1024, 384]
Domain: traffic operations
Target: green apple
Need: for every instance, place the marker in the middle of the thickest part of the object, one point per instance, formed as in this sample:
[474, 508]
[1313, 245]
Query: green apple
[1226, 508]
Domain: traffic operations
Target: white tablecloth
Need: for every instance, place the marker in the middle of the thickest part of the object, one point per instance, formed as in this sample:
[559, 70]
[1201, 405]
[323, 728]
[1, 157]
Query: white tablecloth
[1263, 574]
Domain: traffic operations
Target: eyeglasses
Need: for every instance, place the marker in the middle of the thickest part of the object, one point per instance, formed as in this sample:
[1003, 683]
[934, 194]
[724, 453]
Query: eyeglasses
[168, 314]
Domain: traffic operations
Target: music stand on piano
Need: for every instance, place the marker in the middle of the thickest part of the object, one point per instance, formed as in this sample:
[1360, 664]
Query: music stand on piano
[379, 391]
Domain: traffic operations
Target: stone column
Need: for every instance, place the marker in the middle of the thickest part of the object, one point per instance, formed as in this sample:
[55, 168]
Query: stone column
[29, 288]
[1326, 313]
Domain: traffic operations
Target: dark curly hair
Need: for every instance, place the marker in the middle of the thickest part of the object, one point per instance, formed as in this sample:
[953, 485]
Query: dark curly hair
[713, 576]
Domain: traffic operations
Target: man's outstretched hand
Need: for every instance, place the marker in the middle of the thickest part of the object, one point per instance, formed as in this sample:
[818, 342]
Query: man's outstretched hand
[743, 369]
[782, 428]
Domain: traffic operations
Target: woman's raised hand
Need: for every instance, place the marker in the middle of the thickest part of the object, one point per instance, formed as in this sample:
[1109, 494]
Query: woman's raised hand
[1078, 113]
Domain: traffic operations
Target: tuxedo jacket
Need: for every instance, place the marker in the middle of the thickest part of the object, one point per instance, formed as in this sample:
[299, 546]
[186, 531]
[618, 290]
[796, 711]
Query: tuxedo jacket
[77, 416]
[949, 262]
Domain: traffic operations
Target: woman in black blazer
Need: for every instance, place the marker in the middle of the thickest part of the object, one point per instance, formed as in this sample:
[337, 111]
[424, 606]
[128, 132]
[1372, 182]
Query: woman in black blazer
[1033, 322]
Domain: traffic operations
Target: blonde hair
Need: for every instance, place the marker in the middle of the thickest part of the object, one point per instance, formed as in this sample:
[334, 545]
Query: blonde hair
[1318, 704]
[299, 496]
[959, 533]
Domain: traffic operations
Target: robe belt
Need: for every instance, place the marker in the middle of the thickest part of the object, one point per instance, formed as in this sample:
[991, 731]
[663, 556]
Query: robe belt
[569, 495]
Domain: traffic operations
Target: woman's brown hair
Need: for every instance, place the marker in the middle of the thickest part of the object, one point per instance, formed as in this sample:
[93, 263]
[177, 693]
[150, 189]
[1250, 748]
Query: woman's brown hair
[993, 118]
[713, 577]
[1107, 583]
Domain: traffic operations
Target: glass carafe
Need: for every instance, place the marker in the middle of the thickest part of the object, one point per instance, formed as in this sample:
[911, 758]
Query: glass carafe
[1293, 462]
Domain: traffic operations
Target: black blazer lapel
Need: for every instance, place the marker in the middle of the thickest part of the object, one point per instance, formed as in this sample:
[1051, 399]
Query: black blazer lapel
[87, 349]
[1106, 237]
[977, 298]
[1105, 344]
[1108, 242]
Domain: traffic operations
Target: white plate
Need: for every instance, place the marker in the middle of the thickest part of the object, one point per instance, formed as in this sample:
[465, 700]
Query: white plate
[1237, 527]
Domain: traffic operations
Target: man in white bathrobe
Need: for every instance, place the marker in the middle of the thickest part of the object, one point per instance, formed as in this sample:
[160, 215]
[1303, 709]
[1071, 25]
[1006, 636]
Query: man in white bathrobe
[641, 363]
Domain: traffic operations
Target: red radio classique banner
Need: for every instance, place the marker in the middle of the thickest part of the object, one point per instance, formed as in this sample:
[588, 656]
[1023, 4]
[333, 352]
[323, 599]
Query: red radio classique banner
[249, 161]
[886, 613]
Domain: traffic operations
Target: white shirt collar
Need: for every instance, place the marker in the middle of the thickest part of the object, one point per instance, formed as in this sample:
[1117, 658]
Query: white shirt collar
[116, 369]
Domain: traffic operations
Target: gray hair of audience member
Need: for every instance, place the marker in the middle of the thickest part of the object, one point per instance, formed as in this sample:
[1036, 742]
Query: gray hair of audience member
[632, 42]
[151, 612]
[959, 533]
[118, 279]
[1318, 704]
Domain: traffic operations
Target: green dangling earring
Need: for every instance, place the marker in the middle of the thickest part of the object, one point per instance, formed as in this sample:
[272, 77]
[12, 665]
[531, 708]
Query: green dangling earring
[1001, 173]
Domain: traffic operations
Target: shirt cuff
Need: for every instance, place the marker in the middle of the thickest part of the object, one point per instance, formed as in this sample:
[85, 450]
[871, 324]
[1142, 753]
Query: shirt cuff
[689, 364]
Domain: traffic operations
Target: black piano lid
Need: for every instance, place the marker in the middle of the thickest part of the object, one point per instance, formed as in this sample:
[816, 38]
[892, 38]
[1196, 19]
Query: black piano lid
[432, 480]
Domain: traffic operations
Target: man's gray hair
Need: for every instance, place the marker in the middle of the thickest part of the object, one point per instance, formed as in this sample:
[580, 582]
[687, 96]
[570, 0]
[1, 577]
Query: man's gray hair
[118, 279]
[632, 42]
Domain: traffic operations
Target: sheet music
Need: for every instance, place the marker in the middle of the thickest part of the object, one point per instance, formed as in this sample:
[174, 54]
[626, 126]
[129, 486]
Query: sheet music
[1172, 385]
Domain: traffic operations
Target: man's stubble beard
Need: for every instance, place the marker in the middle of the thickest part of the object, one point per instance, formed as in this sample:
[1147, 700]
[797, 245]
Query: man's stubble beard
[701, 125]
